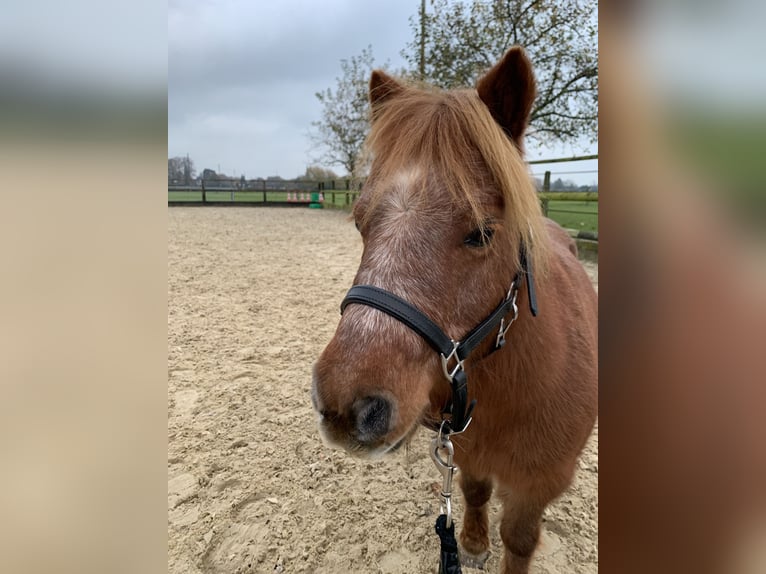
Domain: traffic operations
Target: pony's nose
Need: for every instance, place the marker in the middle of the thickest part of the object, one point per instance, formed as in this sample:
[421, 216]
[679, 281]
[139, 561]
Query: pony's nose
[373, 417]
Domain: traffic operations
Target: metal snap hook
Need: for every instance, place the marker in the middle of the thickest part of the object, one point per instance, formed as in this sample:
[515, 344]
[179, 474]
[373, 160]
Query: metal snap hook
[447, 469]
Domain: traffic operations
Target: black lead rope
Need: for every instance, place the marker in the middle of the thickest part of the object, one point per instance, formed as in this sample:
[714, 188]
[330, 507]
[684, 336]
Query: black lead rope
[449, 561]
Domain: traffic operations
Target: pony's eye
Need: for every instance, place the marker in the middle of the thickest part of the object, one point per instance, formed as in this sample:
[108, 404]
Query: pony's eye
[479, 237]
[356, 223]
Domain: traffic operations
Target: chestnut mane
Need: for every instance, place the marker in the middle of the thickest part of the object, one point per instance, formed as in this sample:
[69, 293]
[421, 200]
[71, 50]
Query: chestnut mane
[453, 134]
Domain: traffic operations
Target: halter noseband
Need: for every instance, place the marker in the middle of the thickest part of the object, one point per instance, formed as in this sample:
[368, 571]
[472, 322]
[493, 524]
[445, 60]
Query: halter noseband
[453, 353]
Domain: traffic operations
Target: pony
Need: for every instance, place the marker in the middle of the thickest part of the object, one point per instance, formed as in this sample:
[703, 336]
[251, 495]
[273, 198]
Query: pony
[449, 218]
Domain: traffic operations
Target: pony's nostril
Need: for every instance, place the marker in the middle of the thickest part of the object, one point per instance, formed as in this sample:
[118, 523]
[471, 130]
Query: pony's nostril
[373, 416]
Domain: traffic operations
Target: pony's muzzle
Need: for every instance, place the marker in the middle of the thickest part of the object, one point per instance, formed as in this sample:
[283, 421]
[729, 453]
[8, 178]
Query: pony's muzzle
[352, 423]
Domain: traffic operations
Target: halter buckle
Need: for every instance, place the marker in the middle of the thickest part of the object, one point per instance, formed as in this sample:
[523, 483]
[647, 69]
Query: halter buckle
[451, 372]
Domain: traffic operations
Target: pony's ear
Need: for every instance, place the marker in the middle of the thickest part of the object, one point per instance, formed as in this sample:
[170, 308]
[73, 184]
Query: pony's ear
[509, 91]
[382, 87]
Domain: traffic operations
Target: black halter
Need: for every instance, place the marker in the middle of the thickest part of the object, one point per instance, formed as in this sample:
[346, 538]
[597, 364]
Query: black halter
[453, 353]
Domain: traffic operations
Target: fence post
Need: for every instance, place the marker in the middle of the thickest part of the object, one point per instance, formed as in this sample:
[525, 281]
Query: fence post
[203, 192]
[263, 185]
[546, 187]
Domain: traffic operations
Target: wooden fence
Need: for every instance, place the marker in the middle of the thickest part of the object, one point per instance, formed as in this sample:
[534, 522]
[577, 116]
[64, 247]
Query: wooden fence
[280, 193]
[341, 193]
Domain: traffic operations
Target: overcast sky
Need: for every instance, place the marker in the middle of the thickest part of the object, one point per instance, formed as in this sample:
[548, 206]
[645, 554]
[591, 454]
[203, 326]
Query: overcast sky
[242, 75]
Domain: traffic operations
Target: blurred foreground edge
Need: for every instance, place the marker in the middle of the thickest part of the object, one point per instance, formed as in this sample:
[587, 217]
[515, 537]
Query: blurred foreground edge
[682, 474]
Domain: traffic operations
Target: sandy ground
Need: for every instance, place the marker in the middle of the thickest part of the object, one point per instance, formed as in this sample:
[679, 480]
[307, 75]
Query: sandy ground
[253, 298]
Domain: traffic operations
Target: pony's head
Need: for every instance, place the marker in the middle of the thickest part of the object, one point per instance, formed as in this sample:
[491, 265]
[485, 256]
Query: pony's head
[445, 209]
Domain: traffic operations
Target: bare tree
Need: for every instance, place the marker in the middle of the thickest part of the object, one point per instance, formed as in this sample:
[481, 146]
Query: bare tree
[318, 173]
[181, 170]
[460, 40]
[343, 128]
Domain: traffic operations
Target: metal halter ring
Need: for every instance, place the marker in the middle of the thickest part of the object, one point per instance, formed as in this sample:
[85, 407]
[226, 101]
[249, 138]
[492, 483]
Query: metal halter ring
[512, 294]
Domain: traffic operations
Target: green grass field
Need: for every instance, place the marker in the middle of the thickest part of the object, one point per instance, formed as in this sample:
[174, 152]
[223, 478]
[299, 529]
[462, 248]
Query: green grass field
[581, 215]
[586, 219]
[246, 196]
[254, 196]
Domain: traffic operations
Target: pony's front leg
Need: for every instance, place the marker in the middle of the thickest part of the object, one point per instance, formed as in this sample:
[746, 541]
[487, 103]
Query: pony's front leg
[520, 528]
[474, 537]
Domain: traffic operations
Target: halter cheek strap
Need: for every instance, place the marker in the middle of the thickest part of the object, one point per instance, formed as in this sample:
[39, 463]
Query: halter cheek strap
[453, 353]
